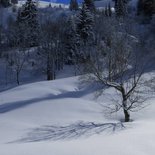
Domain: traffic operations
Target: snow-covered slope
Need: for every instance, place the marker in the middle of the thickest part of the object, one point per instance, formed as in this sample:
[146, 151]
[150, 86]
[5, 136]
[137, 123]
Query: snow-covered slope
[65, 3]
[43, 4]
[61, 118]
[58, 1]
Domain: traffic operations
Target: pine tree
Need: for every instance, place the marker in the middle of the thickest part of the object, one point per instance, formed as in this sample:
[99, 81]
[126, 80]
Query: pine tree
[149, 8]
[121, 8]
[85, 23]
[73, 5]
[71, 41]
[146, 7]
[27, 21]
[90, 5]
[139, 7]
[4, 3]
[106, 11]
[85, 33]
[109, 10]
[1, 29]
[14, 1]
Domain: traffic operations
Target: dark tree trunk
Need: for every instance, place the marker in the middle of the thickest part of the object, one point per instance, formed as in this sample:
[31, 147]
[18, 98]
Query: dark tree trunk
[49, 72]
[126, 112]
[127, 116]
[49, 75]
[17, 77]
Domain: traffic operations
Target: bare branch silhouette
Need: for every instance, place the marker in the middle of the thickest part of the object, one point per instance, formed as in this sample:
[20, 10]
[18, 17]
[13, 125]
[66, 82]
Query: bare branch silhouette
[72, 131]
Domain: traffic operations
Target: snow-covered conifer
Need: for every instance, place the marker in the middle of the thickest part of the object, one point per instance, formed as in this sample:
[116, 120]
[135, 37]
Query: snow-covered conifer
[71, 41]
[121, 8]
[73, 5]
[85, 22]
[27, 21]
[146, 7]
[90, 5]
[4, 3]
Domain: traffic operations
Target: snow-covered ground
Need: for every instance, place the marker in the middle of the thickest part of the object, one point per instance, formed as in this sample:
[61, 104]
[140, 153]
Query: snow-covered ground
[62, 118]
[43, 4]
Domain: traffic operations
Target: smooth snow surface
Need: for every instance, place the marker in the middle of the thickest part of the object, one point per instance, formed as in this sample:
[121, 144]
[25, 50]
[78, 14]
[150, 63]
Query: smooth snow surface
[62, 118]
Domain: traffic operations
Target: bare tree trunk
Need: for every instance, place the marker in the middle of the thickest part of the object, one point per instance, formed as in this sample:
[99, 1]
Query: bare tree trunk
[6, 75]
[53, 69]
[17, 77]
[49, 77]
[127, 116]
[126, 113]
[49, 74]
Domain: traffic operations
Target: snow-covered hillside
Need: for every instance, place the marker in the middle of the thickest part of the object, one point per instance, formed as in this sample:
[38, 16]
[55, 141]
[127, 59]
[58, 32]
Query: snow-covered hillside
[43, 4]
[65, 4]
[62, 118]
[104, 3]
[58, 1]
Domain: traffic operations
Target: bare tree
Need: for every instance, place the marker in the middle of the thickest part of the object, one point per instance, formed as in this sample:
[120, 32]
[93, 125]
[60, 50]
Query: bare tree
[116, 64]
[48, 57]
[16, 59]
[50, 51]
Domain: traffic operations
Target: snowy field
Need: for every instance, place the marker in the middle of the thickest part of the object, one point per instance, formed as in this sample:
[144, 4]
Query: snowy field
[62, 118]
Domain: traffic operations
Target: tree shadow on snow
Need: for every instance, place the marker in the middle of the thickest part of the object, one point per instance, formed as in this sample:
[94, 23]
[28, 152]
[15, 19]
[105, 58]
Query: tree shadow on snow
[10, 106]
[73, 131]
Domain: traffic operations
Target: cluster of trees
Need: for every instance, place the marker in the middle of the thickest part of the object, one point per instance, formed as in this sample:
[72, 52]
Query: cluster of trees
[6, 3]
[73, 5]
[109, 52]
[146, 7]
[106, 47]
[28, 25]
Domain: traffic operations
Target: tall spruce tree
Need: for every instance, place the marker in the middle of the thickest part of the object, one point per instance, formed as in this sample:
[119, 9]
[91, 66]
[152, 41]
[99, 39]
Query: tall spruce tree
[71, 41]
[85, 33]
[73, 5]
[90, 5]
[14, 1]
[109, 10]
[146, 7]
[27, 21]
[4, 3]
[121, 8]
[140, 6]
[85, 22]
